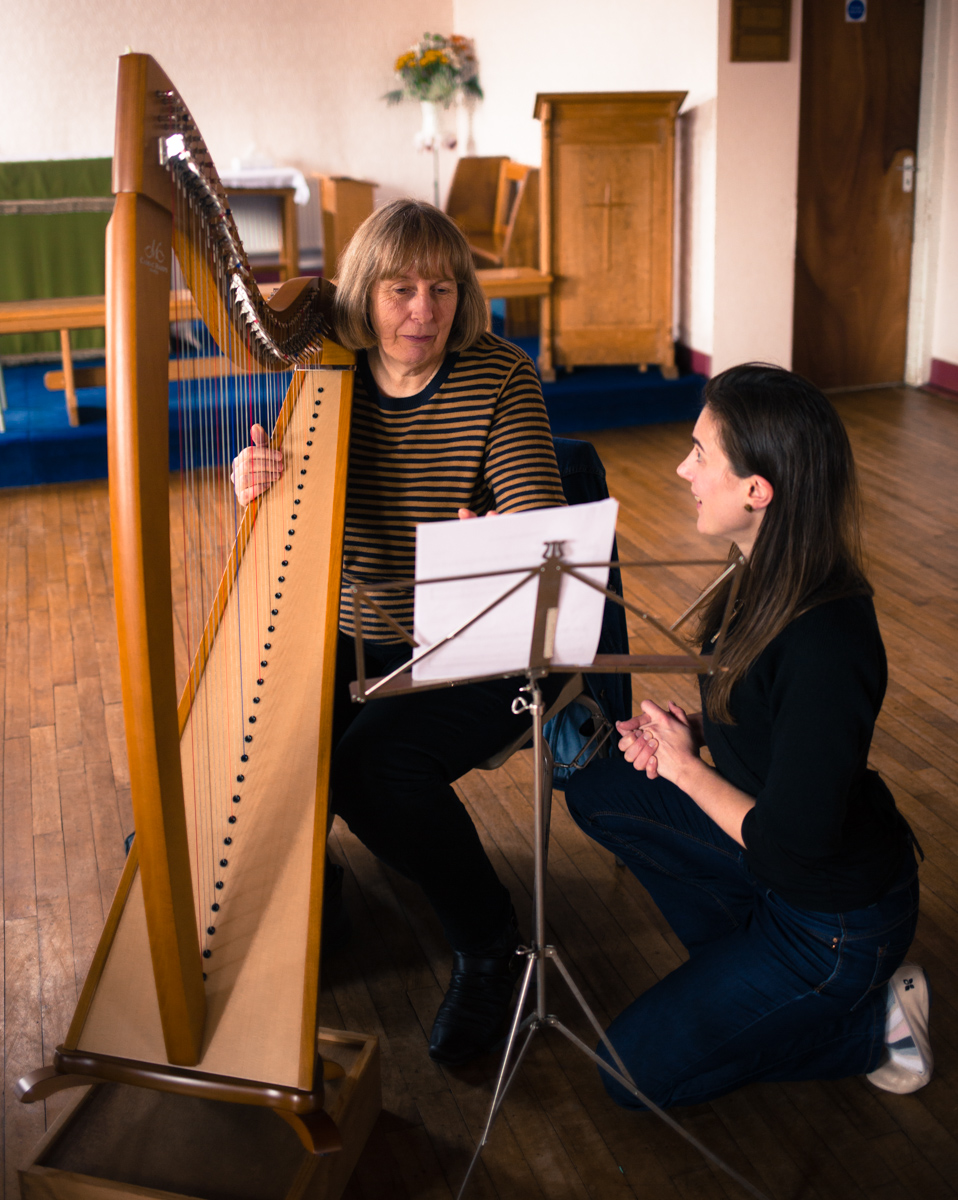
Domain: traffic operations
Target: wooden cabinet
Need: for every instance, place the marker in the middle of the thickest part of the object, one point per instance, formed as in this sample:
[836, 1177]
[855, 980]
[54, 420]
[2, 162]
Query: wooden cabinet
[346, 203]
[606, 228]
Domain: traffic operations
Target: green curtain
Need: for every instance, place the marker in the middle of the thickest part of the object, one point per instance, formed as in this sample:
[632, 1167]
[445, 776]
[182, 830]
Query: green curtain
[54, 254]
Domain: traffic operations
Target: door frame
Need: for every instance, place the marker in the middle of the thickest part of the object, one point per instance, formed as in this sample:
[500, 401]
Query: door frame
[929, 190]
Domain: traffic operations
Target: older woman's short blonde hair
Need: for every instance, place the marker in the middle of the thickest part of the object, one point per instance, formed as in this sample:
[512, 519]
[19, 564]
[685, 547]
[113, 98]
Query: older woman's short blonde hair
[399, 236]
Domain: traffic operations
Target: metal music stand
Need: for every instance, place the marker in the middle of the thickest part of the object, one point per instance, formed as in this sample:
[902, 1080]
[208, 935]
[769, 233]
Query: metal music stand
[549, 575]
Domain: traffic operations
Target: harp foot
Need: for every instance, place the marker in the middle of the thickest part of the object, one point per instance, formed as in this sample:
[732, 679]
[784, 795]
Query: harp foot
[38, 1085]
[316, 1130]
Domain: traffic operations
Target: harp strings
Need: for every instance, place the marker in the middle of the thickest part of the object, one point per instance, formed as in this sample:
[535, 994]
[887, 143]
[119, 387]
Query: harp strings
[218, 397]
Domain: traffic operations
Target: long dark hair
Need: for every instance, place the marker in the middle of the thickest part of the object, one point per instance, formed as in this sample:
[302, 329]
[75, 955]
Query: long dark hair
[808, 549]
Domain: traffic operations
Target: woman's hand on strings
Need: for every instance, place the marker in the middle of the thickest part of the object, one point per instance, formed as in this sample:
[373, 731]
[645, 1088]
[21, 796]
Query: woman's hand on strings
[661, 741]
[256, 468]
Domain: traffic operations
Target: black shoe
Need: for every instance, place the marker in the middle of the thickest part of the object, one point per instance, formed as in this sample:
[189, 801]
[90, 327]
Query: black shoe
[337, 927]
[475, 1013]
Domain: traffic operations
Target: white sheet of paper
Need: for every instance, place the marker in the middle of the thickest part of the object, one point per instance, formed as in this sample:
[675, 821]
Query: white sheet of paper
[500, 642]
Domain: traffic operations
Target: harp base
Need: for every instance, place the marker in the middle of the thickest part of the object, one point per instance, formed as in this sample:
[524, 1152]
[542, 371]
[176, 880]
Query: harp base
[303, 1110]
[140, 1142]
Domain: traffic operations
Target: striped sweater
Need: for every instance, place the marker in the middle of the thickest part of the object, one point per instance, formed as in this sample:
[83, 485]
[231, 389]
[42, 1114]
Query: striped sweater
[477, 436]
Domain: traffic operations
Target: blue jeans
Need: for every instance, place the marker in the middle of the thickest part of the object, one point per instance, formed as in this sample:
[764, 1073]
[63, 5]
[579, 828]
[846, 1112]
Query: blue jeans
[769, 991]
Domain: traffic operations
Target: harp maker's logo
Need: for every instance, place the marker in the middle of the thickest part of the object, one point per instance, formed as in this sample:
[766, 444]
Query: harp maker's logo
[154, 259]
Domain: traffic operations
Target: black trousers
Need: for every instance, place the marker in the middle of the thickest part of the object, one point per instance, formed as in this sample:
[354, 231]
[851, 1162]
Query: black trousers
[394, 761]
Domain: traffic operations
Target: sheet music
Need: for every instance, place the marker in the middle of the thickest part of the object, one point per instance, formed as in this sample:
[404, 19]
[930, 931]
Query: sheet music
[500, 642]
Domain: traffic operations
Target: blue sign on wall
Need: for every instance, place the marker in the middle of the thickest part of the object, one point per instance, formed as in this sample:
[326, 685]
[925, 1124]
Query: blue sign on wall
[856, 11]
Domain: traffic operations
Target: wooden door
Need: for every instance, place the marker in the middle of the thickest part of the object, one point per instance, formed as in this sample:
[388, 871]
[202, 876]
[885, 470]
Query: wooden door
[858, 131]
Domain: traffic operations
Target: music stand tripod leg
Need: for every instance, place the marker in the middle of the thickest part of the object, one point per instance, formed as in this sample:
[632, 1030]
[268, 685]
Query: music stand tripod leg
[539, 952]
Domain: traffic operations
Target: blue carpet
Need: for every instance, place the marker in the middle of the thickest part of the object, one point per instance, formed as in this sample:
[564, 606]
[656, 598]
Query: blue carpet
[41, 447]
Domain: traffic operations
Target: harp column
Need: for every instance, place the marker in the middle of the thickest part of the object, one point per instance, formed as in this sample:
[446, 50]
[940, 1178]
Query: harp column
[139, 256]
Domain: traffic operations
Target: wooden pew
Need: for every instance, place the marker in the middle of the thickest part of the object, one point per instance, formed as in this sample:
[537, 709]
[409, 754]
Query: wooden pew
[74, 312]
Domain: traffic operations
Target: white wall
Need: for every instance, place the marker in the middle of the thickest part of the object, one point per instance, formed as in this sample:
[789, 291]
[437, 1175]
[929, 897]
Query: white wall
[299, 79]
[695, 203]
[608, 45]
[755, 213]
[944, 341]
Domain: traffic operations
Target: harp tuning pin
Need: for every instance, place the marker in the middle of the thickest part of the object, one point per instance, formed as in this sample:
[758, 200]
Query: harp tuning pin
[207, 953]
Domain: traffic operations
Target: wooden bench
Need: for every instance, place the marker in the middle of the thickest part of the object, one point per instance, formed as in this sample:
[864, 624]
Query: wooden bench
[89, 312]
[73, 312]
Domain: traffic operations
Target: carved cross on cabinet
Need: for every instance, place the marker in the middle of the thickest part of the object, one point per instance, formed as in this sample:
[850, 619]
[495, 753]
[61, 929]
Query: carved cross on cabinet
[607, 204]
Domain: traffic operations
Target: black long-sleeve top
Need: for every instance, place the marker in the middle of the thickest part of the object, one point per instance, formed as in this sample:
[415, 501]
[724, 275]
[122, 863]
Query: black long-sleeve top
[824, 833]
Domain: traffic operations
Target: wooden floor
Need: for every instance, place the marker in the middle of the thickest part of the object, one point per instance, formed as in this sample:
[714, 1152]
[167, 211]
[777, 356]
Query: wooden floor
[66, 808]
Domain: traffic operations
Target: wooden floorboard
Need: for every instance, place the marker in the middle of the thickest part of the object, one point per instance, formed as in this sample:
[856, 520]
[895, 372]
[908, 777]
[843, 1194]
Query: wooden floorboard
[66, 807]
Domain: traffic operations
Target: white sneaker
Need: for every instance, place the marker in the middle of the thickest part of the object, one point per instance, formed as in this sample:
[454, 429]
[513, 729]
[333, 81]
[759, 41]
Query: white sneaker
[910, 1062]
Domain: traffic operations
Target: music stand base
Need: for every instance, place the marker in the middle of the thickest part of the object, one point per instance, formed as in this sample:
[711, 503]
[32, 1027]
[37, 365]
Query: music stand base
[536, 957]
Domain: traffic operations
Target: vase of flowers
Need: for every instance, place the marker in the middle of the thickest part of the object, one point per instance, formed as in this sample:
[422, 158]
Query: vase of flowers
[437, 71]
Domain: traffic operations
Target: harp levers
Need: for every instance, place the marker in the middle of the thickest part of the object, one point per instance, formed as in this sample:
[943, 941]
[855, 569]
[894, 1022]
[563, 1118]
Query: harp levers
[205, 981]
[547, 577]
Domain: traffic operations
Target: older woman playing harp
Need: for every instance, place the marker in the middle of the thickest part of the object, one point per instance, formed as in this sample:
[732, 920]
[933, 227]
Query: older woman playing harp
[448, 420]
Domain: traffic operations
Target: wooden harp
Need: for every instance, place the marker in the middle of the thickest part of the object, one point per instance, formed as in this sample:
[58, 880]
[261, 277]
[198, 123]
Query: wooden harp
[206, 977]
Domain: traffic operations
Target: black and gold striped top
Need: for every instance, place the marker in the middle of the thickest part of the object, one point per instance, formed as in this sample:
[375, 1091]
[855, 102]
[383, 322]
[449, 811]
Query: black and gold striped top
[477, 436]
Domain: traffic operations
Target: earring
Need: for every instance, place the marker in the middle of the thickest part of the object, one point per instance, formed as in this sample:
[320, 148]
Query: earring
[748, 508]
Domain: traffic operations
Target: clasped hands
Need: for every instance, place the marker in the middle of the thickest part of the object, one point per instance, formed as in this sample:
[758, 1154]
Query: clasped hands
[661, 741]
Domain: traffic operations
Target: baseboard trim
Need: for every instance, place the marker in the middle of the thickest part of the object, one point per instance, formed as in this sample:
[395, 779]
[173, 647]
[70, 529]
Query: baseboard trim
[944, 375]
[689, 360]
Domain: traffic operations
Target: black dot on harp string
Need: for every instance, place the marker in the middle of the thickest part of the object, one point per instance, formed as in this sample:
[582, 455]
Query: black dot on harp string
[278, 595]
[309, 443]
[232, 820]
[281, 578]
[207, 953]
[302, 472]
[300, 486]
[260, 682]
[244, 758]
[319, 389]
[236, 799]
[290, 532]
[306, 458]
[289, 547]
[211, 929]
[219, 884]
[214, 908]
[252, 720]
[284, 563]
[312, 429]
[224, 862]
[240, 778]
[274, 612]
[263, 663]
[256, 699]
[248, 738]
[298, 501]
[267, 646]
[271, 628]
[227, 841]
[294, 516]
[204, 977]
